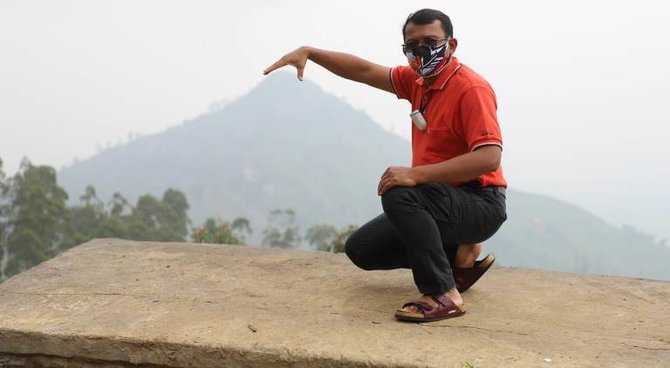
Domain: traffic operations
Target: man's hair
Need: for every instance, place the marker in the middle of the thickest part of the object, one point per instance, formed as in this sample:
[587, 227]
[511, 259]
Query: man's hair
[428, 16]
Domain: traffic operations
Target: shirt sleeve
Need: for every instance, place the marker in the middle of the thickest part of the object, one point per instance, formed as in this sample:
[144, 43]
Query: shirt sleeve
[402, 77]
[479, 119]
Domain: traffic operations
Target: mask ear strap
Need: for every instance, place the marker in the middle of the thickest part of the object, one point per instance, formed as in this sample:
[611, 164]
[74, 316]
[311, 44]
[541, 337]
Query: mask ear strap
[448, 47]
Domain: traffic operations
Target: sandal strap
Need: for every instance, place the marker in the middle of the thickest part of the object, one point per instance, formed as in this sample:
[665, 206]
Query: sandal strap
[422, 305]
[444, 300]
[445, 308]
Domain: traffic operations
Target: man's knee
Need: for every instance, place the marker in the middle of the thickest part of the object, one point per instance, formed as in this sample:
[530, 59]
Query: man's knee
[352, 248]
[396, 197]
[349, 247]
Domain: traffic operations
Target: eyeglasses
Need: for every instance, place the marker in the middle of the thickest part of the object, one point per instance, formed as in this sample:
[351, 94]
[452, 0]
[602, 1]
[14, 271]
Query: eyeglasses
[418, 49]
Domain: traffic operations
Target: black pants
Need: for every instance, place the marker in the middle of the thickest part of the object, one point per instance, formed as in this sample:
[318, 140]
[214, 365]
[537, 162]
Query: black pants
[421, 228]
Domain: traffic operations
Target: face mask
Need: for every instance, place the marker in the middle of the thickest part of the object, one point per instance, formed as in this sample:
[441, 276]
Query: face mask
[426, 60]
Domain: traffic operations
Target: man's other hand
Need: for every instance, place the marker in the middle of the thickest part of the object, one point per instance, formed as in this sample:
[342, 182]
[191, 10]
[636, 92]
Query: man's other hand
[396, 176]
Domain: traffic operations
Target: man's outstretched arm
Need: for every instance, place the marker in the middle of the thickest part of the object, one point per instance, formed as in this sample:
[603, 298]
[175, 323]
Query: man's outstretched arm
[345, 65]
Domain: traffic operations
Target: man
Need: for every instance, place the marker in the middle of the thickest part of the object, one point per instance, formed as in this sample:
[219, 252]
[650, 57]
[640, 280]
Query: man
[437, 212]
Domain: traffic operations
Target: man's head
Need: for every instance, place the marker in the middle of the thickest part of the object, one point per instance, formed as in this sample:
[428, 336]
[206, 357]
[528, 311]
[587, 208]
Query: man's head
[427, 27]
[428, 17]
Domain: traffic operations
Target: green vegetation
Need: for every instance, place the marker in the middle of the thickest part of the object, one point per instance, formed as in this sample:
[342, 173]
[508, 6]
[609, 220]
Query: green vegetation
[281, 232]
[36, 223]
[32, 216]
[216, 231]
[328, 238]
[150, 219]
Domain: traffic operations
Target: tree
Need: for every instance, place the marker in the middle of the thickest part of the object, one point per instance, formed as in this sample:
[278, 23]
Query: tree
[117, 222]
[119, 205]
[219, 232]
[341, 238]
[328, 238]
[241, 226]
[90, 198]
[282, 232]
[176, 220]
[87, 221]
[4, 255]
[321, 236]
[34, 213]
[35, 223]
[160, 220]
[150, 219]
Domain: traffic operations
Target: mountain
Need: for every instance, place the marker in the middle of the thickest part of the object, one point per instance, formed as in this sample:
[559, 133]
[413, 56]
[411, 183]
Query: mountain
[284, 144]
[288, 144]
[542, 232]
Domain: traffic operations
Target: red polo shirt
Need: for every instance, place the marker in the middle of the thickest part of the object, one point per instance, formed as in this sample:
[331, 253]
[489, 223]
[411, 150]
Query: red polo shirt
[460, 108]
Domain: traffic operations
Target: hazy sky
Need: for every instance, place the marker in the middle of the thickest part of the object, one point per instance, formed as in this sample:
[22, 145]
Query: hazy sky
[582, 85]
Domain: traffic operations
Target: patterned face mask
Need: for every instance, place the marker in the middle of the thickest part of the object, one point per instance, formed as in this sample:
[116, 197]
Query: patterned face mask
[425, 60]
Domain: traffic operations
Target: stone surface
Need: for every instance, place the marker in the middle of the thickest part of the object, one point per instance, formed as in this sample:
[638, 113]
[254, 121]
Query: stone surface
[120, 303]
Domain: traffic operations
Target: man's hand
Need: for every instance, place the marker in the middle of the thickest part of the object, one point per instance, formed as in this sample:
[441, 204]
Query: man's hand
[297, 58]
[397, 176]
[342, 64]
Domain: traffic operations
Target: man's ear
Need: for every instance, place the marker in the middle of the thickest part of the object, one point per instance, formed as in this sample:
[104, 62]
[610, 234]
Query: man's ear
[453, 43]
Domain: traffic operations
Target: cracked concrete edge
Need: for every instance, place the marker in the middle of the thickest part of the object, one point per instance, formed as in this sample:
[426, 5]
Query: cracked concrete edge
[32, 348]
[42, 360]
[98, 351]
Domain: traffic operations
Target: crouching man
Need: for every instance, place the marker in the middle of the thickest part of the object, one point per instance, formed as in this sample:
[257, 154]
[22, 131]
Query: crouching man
[439, 211]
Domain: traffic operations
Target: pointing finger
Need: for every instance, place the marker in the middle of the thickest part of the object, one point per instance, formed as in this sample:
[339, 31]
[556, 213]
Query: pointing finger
[278, 64]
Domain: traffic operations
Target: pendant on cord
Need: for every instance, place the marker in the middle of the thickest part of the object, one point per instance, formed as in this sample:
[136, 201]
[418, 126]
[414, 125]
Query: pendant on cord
[418, 119]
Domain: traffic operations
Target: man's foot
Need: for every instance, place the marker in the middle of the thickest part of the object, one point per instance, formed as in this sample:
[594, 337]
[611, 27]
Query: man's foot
[432, 308]
[465, 277]
[453, 294]
[467, 254]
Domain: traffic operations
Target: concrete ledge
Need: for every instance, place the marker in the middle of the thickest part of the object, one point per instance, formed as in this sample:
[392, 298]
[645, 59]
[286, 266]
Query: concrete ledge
[117, 303]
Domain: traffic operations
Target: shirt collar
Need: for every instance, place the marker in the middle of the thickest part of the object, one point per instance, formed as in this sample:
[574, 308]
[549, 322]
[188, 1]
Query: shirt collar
[444, 75]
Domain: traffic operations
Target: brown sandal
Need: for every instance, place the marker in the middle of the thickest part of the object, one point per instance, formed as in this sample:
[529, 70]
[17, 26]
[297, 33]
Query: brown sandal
[445, 309]
[466, 277]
